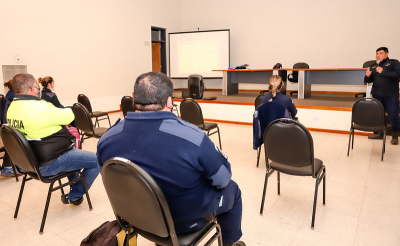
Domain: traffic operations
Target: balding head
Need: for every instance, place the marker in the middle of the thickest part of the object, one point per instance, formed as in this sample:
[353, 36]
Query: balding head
[152, 91]
[23, 82]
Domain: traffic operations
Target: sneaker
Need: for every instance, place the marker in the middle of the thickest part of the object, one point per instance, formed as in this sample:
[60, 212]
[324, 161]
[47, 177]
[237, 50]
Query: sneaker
[395, 140]
[238, 243]
[376, 136]
[8, 172]
[65, 200]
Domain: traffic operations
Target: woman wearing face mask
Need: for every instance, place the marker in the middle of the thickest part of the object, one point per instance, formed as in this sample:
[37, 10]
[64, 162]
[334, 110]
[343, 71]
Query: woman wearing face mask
[48, 91]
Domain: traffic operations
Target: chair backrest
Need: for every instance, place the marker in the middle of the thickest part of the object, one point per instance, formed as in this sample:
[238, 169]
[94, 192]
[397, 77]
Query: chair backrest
[257, 102]
[127, 105]
[368, 112]
[83, 120]
[136, 198]
[288, 142]
[195, 86]
[294, 77]
[191, 112]
[19, 150]
[369, 63]
[277, 66]
[84, 100]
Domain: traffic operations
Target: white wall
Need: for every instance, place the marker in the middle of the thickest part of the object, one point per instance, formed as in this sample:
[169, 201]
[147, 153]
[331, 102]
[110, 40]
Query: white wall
[91, 47]
[325, 33]
[98, 47]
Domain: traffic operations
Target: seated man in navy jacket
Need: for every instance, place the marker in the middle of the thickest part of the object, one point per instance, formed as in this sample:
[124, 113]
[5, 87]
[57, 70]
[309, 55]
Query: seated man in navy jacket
[192, 172]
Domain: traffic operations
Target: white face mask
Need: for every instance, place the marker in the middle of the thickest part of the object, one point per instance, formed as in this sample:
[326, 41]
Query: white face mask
[53, 89]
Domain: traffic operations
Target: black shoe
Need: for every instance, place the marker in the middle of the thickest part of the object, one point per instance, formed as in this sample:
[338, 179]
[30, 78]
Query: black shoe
[376, 136]
[395, 140]
[65, 200]
[238, 243]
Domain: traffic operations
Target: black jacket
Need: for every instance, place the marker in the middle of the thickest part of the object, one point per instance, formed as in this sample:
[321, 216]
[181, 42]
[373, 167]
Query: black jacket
[50, 97]
[386, 83]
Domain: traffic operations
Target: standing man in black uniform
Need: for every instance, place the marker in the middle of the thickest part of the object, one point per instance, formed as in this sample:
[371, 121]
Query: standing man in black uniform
[385, 76]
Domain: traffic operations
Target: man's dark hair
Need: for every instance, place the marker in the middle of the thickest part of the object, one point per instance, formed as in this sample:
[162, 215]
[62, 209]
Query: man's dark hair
[151, 91]
[386, 50]
[23, 82]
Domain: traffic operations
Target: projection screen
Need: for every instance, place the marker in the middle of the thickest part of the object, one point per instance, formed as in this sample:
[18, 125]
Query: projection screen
[198, 53]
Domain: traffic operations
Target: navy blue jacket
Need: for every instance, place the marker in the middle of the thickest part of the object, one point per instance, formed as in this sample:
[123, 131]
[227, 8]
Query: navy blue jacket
[10, 95]
[187, 166]
[284, 100]
[265, 114]
[386, 83]
[51, 97]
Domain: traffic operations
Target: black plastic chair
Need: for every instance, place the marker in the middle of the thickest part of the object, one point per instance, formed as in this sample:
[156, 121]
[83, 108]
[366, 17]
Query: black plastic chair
[257, 102]
[84, 123]
[366, 65]
[289, 147]
[139, 203]
[294, 76]
[22, 156]
[127, 105]
[191, 112]
[84, 100]
[367, 115]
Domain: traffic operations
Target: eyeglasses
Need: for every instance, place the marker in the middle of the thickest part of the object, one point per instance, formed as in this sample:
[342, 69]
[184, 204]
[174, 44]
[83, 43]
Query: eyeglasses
[38, 88]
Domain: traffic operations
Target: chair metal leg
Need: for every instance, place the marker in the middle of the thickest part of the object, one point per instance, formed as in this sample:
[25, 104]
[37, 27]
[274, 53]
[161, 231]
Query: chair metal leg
[264, 190]
[348, 147]
[109, 122]
[46, 208]
[82, 135]
[352, 142]
[21, 191]
[219, 236]
[219, 138]
[258, 155]
[97, 122]
[14, 170]
[321, 175]
[279, 183]
[86, 191]
[383, 144]
[323, 187]
[62, 190]
[315, 202]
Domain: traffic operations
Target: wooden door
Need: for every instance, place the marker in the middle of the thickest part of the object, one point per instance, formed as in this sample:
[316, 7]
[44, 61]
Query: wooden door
[156, 56]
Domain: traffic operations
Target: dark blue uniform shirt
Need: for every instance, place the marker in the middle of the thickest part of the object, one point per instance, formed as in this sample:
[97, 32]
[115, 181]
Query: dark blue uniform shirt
[187, 166]
[284, 100]
[386, 83]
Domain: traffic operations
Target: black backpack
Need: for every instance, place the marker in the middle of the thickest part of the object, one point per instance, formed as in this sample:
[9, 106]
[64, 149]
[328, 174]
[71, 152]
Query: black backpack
[103, 235]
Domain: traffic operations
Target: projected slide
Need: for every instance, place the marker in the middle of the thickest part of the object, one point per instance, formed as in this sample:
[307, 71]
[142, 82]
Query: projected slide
[198, 53]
